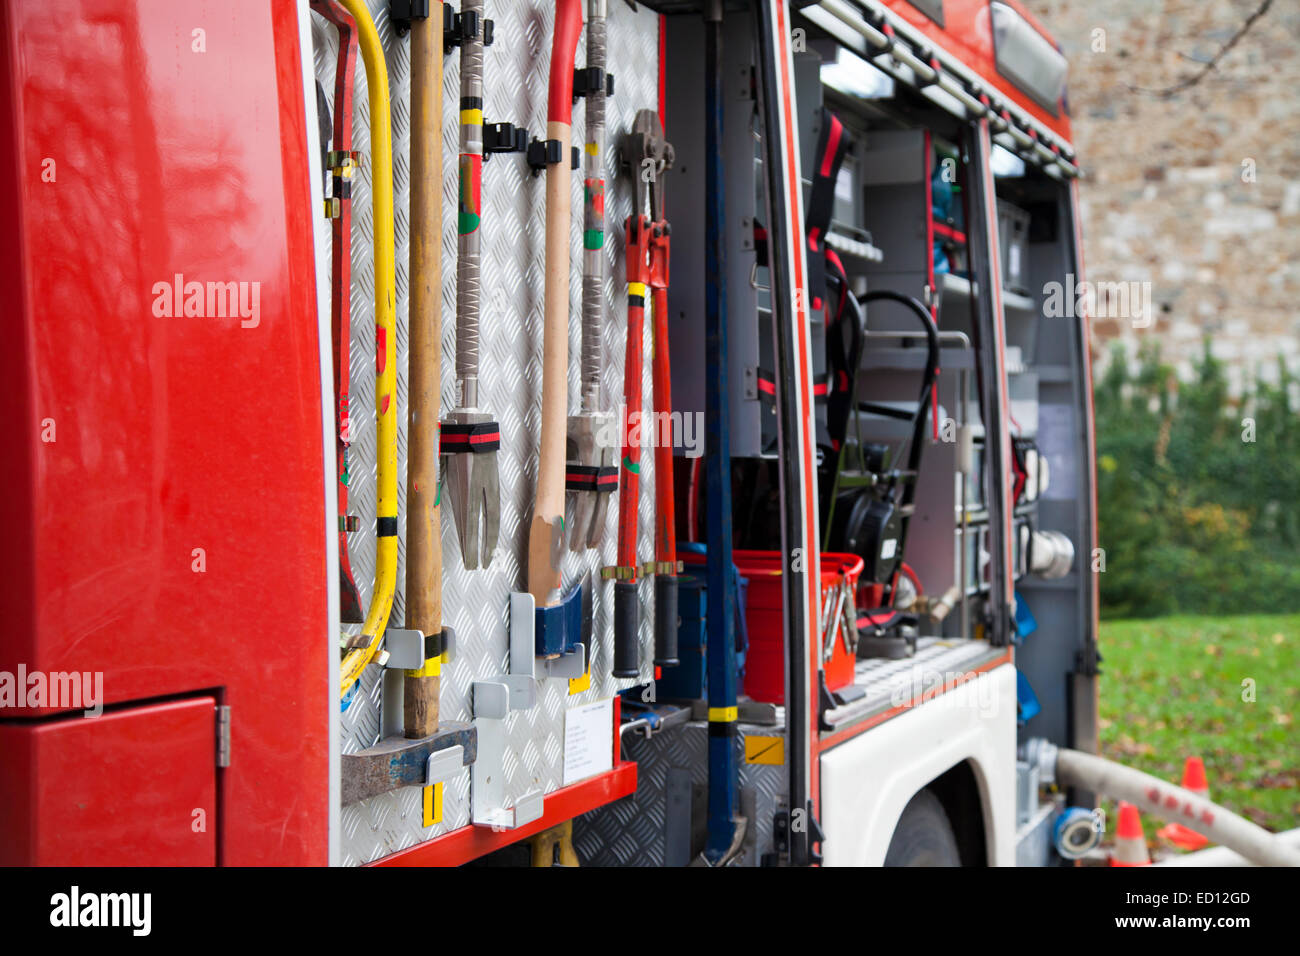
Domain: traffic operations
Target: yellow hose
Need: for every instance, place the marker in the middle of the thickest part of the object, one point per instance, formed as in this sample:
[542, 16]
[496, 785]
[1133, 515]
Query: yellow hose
[381, 155]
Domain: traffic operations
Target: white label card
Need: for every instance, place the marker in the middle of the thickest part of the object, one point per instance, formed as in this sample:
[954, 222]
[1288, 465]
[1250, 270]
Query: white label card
[588, 740]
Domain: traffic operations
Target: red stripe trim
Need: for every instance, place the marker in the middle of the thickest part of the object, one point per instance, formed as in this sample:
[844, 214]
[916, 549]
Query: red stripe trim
[928, 166]
[812, 565]
[948, 232]
[471, 842]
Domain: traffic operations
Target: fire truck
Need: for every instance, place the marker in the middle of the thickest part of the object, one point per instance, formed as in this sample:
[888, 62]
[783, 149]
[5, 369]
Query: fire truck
[626, 433]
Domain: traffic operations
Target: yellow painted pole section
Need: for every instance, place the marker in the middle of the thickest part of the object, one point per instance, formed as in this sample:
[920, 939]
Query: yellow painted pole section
[381, 182]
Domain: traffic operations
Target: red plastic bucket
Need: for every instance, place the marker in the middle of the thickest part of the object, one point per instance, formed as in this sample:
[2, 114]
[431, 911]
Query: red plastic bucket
[765, 620]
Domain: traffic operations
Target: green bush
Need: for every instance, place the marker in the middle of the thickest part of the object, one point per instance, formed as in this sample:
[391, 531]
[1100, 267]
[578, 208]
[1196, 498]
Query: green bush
[1198, 491]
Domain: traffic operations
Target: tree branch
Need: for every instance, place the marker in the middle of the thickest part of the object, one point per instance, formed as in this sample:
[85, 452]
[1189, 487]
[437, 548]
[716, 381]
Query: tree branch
[1165, 92]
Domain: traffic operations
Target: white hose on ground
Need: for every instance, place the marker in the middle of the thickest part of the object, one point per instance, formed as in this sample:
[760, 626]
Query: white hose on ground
[1164, 800]
[1222, 856]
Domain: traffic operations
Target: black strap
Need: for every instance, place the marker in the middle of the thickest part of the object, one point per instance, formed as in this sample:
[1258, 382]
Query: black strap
[590, 478]
[479, 438]
[844, 339]
[832, 143]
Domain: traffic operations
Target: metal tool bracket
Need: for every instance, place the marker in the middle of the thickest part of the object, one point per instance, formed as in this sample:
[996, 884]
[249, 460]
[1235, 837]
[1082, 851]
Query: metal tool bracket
[493, 700]
[591, 79]
[408, 649]
[444, 764]
[402, 12]
[537, 633]
[503, 138]
[459, 27]
[548, 152]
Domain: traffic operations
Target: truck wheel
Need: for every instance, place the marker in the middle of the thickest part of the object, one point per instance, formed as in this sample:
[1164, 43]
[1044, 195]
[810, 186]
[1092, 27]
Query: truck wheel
[923, 836]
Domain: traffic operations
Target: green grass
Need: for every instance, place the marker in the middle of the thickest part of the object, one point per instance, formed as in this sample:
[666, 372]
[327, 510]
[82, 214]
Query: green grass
[1172, 688]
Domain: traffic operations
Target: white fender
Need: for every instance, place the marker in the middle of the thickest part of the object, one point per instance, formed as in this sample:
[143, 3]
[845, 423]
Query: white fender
[868, 780]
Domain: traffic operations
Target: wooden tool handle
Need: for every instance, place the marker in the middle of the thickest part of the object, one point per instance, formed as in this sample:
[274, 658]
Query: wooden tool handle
[423, 524]
[546, 534]
[548, 513]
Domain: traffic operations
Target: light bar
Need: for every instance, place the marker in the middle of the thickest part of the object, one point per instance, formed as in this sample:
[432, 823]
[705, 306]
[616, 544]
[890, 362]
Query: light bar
[1026, 58]
[894, 47]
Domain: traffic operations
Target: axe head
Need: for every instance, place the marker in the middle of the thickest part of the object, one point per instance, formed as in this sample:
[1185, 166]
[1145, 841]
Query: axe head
[474, 488]
[589, 446]
[351, 611]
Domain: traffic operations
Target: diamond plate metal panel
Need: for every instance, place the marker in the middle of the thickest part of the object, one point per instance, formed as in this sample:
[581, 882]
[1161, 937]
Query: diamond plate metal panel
[887, 683]
[630, 832]
[516, 70]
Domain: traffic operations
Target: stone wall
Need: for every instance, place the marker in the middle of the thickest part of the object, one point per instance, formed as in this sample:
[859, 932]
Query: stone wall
[1198, 194]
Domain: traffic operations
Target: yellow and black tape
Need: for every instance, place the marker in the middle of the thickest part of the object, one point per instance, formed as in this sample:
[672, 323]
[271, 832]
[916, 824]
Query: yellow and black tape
[722, 721]
[432, 804]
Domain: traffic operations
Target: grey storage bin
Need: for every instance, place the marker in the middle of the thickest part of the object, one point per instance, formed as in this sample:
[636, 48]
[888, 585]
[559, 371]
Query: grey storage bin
[1013, 246]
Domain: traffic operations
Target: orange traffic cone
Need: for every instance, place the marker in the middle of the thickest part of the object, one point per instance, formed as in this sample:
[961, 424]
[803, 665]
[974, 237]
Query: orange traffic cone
[1194, 780]
[1130, 842]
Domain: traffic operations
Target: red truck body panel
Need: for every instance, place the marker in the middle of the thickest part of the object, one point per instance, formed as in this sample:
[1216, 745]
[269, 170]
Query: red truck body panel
[165, 493]
[967, 34]
[133, 787]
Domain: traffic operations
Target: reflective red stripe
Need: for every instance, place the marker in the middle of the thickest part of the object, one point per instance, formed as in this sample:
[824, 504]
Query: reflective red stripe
[832, 145]
[948, 232]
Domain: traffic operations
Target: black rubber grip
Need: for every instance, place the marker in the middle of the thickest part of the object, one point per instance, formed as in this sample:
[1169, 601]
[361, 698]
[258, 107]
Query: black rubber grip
[666, 620]
[626, 640]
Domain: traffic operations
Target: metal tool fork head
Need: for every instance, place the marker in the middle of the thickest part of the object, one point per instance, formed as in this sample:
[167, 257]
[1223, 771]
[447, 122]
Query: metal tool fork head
[591, 475]
[469, 444]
